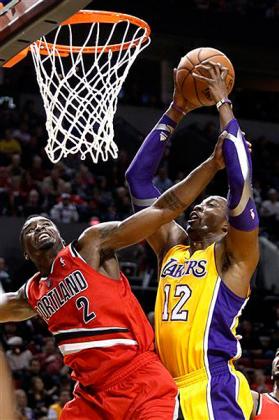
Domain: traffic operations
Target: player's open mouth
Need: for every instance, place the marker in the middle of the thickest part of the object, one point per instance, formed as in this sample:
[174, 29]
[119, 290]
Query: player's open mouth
[42, 237]
[193, 216]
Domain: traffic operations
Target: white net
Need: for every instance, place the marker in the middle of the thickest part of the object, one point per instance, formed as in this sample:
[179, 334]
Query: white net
[80, 91]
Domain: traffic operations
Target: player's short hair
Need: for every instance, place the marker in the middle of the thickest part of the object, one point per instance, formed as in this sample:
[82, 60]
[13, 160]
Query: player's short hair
[277, 352]
[32, 216]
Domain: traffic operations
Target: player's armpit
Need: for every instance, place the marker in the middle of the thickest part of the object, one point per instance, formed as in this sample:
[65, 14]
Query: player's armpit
[237, 256]
[14, 307]
[243, 246]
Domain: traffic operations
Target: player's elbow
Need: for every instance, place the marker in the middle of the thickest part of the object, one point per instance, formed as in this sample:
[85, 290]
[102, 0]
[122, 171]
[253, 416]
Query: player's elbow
[130, 175]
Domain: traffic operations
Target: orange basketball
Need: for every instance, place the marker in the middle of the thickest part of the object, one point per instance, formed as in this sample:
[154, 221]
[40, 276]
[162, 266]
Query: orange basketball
[196, 91]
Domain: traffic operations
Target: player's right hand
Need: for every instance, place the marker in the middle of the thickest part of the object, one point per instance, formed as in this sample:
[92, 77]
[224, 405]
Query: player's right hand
[179, 99]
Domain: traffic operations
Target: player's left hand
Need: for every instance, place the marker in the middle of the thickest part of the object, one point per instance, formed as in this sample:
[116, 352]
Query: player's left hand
[214, 74]
[217, 154]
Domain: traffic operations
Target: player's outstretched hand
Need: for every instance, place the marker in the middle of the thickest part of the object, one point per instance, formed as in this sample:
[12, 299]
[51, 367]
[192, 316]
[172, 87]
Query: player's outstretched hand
[214, 74]
[217, 154]
[178, 97]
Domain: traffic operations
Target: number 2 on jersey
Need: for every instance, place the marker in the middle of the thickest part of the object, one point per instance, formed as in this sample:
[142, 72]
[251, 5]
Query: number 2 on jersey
[176, 313]
[83, 303]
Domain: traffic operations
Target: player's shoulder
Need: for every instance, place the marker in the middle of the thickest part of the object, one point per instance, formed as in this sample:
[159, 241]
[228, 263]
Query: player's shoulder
[24, 291]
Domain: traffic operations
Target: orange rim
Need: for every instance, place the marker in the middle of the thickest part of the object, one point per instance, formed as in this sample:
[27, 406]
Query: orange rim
[97, 16]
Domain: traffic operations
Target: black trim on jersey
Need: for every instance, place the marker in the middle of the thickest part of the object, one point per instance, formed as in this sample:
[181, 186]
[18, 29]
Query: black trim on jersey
[258, 404]
[272, 396]
[90, 333]
[24, 288]
[72, 245]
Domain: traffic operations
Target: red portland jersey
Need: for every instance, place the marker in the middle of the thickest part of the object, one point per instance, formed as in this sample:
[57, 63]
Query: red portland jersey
[268, 408]
[98, 324]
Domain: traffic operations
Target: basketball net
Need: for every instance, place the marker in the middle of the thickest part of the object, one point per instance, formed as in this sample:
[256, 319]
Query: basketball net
[80, 94]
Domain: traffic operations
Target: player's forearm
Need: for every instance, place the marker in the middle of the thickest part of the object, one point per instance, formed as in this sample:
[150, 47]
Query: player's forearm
[178, 198]
[225, 115]
[14, 310]
[242, 208]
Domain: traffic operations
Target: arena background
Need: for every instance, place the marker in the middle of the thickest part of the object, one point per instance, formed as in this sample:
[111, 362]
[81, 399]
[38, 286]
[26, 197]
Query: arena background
[245, 31]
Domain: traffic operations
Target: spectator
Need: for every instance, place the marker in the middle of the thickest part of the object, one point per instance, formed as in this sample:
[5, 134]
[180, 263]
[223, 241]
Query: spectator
[5, 279]
[9, 145]
[50, 359]
[162, 180]
[270, 213]
[32, 205]
[54, 182]
[38, 397]
[37, 171]
[21, 405]
[55, 409]
[34, 369]
[15, 168]
[260, 383]
[22, 133]
[65, 211]
[17, 357]
[250, 341]
[270, 207]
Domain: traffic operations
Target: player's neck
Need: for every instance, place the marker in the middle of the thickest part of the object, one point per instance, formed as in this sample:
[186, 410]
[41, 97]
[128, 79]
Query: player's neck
[45, 262]
[203, 243]
[275, 391]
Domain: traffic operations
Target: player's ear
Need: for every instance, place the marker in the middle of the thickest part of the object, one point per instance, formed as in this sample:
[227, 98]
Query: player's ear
[26, 256]
[225, 227]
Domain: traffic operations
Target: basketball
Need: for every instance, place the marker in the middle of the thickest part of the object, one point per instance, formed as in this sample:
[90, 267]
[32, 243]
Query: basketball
[197, 91]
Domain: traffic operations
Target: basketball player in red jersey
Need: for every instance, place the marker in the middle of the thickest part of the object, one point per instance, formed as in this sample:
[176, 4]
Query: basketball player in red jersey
[266, 406]
[88, 306]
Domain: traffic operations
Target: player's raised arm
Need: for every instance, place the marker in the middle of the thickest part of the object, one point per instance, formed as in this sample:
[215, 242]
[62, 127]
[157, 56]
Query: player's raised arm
[116, 235]
[143, 168]
[240, 245]
[14, 307]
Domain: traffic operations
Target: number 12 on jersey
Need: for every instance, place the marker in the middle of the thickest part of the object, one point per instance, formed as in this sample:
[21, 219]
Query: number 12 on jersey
[177, 313]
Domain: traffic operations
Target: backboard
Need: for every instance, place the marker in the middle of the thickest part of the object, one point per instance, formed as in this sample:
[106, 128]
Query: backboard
[24, 21]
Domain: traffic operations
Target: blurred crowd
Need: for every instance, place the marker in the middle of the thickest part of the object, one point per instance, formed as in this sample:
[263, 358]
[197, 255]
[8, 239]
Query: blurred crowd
[42, 383]
[267, 8]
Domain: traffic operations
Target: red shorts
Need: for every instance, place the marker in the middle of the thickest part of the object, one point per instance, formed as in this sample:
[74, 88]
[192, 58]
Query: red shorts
[144, 390]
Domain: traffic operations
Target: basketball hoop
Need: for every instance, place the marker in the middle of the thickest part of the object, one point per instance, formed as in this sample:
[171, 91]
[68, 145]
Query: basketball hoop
[80, 84]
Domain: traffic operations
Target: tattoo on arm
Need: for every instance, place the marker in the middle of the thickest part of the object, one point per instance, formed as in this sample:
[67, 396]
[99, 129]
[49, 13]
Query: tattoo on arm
[107, 230]
[171, 201]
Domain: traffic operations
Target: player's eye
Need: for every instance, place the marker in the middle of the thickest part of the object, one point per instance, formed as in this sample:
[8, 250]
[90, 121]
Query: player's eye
[30, 230]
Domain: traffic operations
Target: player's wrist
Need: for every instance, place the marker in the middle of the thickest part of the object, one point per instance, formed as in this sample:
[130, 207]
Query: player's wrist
[213, 164]
[223, 101]
[183, 110]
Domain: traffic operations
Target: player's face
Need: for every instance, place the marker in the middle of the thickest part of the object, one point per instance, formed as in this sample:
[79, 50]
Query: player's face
[39, 234]
[210, 216]
[275, 368]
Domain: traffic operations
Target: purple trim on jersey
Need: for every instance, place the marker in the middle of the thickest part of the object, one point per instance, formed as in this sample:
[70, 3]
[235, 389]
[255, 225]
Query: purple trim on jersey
[223, 397]
[222, 346]
[143, 167]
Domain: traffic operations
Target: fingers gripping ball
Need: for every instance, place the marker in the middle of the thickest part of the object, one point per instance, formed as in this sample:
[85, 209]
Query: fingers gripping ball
[196, 91]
